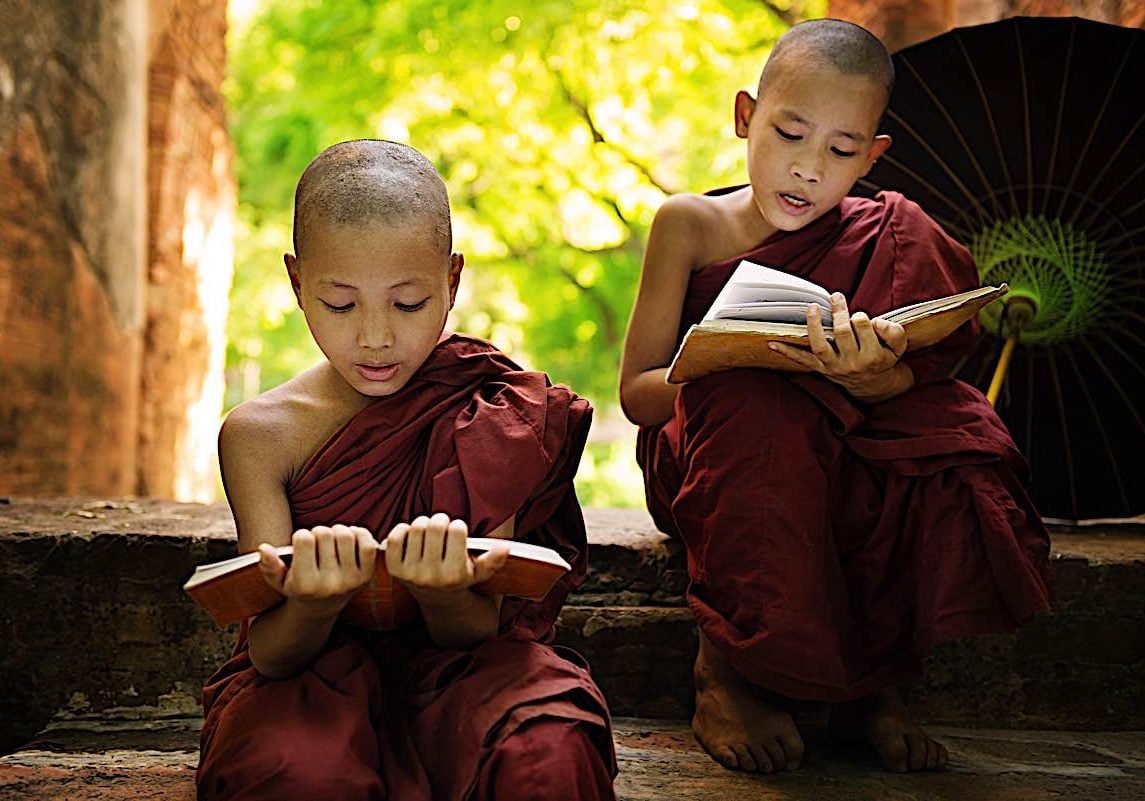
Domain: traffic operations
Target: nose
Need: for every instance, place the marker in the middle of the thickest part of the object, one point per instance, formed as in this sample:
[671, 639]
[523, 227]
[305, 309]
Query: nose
[375, 331]
[807, 168]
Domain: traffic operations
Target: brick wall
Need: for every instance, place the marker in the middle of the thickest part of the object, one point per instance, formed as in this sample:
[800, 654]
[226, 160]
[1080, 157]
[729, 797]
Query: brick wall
[900, 23]
[115, 254]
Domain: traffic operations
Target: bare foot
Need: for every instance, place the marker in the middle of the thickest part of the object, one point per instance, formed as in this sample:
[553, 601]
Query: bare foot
[883, 721]
[735, 725]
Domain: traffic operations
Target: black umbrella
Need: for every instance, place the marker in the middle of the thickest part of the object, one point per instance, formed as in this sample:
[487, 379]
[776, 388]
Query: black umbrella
[1025, 139]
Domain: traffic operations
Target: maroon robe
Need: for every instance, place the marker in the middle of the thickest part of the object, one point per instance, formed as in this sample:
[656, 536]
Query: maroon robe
[830, 542]
[388, 714]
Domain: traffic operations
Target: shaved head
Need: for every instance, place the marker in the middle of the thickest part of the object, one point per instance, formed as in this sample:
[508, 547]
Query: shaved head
[849, 48]
[370, 181]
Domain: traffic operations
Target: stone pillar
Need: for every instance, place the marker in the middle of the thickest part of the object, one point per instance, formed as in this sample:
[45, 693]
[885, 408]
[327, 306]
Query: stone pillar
[901, 23]
[72, 228]
[190, 255]
[116, 210]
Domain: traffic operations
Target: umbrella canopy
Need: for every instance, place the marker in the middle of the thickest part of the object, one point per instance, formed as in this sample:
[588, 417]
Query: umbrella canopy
[1025, 139]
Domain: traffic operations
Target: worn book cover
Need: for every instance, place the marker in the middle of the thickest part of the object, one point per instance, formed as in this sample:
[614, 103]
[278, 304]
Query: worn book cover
[234, 589]
[759, 305]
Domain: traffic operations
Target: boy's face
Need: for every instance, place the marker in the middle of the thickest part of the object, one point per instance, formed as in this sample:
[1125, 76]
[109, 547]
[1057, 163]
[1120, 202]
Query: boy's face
[376, 297]
[810, 136]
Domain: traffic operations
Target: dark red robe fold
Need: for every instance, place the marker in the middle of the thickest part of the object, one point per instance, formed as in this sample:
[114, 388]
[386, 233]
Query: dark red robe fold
[388, 714]
[831, 543]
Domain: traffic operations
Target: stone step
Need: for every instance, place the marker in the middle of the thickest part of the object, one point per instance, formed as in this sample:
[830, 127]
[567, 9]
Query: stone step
[93, 617]
[134, 757]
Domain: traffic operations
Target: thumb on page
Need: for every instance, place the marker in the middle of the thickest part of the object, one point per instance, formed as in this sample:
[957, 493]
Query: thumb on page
[272, 567]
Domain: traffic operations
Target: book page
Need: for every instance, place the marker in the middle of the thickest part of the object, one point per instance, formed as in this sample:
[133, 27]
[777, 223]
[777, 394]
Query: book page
[759, 286]
[209, 571]
[917, 311]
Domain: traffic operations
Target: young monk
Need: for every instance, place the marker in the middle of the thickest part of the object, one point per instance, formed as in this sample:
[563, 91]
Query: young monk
[837, 523]
[422, 436]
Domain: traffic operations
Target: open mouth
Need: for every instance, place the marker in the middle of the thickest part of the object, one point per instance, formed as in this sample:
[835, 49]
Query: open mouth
[376, 372]
[794, 200]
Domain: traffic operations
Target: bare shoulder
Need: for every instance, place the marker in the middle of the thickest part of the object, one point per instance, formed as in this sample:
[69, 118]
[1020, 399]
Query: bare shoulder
[695, 228]
[688, 214]
[282, 427]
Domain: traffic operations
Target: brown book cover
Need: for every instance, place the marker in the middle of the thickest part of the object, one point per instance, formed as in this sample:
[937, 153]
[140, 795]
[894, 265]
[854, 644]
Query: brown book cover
[234, 589]
[722, 341]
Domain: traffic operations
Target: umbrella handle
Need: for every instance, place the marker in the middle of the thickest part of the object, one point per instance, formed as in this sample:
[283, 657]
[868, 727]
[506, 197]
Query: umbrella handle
[1019, 312]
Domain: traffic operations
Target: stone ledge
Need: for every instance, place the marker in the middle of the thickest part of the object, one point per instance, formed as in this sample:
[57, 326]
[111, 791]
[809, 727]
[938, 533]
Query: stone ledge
[112, 758]
[93, 617]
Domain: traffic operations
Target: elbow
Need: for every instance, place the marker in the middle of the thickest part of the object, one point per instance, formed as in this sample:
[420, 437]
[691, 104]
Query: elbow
[626, 404]
[643, 407]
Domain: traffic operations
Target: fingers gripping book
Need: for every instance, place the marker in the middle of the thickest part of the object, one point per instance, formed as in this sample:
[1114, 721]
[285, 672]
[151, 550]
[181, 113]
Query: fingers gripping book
[234, 589]
[760, 304]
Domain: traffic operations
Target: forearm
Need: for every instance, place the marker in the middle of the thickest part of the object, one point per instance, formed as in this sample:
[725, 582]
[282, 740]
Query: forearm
[284, 641]
[648, 399]
[462, 618]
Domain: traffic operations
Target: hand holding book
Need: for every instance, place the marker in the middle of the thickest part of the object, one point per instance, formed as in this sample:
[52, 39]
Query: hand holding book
[862, 355]
[326, 566]
[761, 305]
[235, 589]
[431, 559]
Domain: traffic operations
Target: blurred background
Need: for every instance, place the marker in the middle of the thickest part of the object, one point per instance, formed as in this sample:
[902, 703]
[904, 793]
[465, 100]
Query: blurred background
[559, 129]
[150, 150]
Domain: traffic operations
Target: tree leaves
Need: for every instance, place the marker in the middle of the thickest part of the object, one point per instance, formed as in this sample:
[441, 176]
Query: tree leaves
[559, 129]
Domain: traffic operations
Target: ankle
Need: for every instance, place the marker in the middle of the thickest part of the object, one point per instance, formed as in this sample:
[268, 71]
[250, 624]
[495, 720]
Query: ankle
[711, 668]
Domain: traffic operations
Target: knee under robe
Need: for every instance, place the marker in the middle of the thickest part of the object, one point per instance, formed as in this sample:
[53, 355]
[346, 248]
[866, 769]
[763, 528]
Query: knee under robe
[831, 543]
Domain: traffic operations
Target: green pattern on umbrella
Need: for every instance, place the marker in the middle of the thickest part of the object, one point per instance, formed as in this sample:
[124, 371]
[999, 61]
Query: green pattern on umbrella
[1057, 267]
[1025, 139]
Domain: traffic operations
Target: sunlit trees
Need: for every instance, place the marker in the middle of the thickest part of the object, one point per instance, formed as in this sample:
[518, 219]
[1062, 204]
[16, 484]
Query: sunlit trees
[559, 128]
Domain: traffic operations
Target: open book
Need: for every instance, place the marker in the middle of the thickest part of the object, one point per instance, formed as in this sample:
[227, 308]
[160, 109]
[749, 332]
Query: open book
[760, 304]
[234, 589]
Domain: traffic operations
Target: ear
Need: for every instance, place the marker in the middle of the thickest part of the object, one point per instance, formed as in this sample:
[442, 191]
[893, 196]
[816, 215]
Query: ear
[878, 147]
[291, 262]
[456, 264]
[744, 108]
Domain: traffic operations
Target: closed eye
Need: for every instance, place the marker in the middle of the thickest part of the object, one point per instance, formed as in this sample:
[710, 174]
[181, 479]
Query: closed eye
[338, 309]
[790, 137]
[411, 307]
[844, 153]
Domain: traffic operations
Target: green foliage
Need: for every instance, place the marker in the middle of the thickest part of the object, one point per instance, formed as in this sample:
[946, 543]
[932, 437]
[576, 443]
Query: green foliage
[559, 129]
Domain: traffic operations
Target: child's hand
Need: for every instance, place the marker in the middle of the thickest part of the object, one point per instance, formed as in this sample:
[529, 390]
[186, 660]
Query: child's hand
[863, 356]
[430, 557]
[329, 564]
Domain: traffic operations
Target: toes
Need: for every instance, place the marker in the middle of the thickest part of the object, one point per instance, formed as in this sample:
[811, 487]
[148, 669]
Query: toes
[916, 745]
[746, 760]
[793, 750]
[943, 757]
[763, 760]
[931, 754]
[725, 756]
[775, 755]
[894, 754]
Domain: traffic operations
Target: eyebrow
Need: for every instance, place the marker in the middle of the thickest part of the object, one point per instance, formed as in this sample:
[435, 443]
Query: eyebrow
[853, 135]
[343, 285]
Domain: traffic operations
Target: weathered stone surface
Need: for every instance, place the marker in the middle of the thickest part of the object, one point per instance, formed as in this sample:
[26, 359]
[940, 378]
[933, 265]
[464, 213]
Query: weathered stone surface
[641, 656]
[112, 372]
[190, 225]
[122, 758]
[71, 243]
[93, 617]
[631, 563]
[92, 612]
